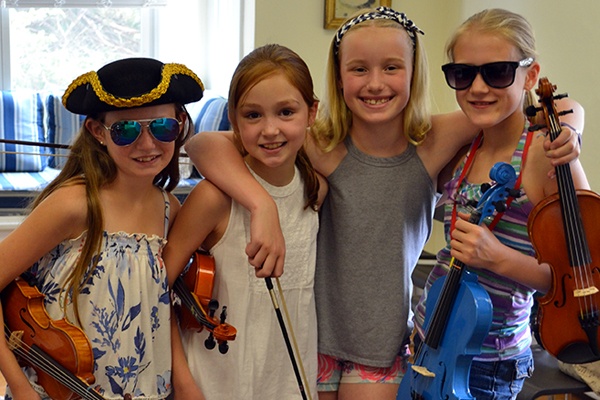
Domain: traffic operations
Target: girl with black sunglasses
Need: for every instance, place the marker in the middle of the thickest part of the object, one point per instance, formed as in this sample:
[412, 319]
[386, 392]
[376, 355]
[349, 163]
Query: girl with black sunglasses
[492, 69]
[92, 244]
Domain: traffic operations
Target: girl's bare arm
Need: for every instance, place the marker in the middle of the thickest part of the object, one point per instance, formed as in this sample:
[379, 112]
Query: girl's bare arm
[217, 159]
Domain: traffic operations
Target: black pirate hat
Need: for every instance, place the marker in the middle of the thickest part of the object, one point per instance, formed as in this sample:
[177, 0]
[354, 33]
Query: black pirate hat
[132, 82]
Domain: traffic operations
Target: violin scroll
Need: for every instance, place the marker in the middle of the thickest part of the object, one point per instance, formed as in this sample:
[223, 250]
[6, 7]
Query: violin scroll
[545, 91]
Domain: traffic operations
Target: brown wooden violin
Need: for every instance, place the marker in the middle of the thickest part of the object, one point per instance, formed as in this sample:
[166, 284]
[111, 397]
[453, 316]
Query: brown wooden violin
[194, 288]
[60, 352]
[568, 315]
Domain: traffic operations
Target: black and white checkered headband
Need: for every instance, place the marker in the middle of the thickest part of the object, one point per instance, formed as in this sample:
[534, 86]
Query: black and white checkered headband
[380, 13]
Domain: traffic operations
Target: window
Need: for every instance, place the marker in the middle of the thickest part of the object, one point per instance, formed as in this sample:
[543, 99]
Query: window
[44, 48]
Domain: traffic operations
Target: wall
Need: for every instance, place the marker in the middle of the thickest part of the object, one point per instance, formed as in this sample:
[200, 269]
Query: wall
[566, 34]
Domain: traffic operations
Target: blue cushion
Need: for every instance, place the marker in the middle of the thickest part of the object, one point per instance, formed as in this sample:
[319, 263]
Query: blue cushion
[213, 116]
[63, 126]
[210, 113]
[21, 118]
[27, 181]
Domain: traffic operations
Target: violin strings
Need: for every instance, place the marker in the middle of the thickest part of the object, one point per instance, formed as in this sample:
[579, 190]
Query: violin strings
[579, 254]
[190, 302]
[441, 312]
[39, 359]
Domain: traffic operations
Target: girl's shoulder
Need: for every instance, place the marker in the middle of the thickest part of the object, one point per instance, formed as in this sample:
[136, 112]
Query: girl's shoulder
[61, 215]
[206, 197]
[68, 200]
[448, 135]
[205, 213]
[324, 162]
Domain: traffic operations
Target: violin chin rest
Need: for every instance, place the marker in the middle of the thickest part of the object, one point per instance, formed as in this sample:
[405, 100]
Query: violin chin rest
[578, 353]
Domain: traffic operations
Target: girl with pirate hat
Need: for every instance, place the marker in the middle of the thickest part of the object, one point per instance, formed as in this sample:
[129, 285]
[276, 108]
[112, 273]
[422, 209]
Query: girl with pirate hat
[92, 244]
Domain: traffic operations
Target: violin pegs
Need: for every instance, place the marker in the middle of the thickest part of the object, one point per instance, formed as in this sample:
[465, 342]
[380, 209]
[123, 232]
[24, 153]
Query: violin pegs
[560, 96]
[210, 343]
[213, 306]
[515, 193]
[500, 206]
[531, 111]
[223, 347]
[484, 188]
[223, 314]
[565, 112]
[536, 127]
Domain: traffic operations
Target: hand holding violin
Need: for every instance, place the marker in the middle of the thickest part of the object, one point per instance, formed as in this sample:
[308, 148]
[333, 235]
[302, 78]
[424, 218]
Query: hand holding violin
[475, 245]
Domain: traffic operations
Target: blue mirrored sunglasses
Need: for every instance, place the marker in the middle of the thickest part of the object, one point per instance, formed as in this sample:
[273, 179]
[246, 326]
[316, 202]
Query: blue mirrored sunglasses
[124, 133]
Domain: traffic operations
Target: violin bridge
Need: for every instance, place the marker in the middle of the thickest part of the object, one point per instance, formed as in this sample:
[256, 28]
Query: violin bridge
[15, 340]
[585, 292]
[423, 371]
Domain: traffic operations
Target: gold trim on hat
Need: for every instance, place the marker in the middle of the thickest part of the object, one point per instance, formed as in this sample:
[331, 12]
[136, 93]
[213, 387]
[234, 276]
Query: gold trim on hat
[167, 72]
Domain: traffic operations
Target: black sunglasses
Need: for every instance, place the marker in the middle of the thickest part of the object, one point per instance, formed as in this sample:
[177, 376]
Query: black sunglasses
[124, 133]
[498, 75]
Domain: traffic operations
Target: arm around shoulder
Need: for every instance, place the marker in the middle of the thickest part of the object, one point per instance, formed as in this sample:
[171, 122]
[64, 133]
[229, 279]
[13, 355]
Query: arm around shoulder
[218, 159]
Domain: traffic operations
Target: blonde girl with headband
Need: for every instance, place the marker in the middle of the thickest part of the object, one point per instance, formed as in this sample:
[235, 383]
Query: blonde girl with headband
[271, 104]
[492, 64]
[92, 244]
[382, 155]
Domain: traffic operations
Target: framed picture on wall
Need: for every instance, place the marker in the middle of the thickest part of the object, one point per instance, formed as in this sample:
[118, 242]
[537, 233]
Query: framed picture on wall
[337, 11]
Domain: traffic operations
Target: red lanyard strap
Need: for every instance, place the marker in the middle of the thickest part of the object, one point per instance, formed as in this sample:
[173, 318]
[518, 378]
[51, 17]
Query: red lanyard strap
[470, 157]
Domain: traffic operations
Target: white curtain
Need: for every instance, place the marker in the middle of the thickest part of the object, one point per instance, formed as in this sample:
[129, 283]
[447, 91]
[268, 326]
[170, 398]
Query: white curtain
[209, 36]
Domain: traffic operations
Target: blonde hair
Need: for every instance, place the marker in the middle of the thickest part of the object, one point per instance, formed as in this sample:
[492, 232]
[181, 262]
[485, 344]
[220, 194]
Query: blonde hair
[512, 27]
[334, 118]
[90, 164]
[260, 64]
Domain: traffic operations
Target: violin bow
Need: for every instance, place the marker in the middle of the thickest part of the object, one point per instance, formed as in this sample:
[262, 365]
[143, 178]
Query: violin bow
[296, 364]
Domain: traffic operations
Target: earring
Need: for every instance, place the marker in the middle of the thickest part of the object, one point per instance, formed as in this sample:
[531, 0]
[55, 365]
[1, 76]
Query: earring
[101, 143]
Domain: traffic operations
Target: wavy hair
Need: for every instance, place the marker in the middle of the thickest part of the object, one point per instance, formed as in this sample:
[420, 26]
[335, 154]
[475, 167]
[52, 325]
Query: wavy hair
[90, 164]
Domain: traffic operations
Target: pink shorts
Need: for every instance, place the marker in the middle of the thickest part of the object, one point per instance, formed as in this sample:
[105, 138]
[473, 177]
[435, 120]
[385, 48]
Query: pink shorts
[334, 371]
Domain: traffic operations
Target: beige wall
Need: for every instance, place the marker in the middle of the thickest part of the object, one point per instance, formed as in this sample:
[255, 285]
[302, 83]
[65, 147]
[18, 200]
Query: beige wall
[566, 33]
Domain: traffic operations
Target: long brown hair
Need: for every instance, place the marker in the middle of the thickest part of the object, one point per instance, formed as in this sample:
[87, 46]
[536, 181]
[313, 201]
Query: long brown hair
[90, 164]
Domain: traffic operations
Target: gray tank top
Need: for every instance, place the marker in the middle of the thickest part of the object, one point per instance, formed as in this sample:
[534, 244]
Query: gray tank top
[374, 223]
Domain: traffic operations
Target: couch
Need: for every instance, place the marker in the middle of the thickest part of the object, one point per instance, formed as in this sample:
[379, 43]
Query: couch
[41, 117]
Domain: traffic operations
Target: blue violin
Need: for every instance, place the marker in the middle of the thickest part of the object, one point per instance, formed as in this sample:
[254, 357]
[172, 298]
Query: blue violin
[461, 318]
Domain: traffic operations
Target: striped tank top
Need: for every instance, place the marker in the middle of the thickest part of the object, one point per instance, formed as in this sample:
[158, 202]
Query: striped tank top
[510, 334]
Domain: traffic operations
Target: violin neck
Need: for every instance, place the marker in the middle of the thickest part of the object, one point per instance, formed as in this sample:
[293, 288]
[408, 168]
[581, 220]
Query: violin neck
[444, 305]
[190, 302]
[577, 246]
